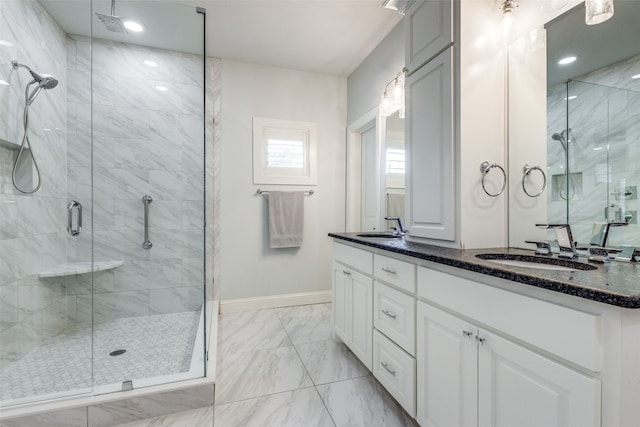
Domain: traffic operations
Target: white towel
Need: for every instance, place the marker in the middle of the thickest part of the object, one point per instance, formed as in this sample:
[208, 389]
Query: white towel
[395, 205]
[286, 218]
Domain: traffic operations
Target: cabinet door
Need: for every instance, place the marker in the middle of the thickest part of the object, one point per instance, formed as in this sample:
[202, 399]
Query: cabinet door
[447, 356]
[361, 317]
[340, 301]
[428, 30]
[518, 387]
[430, 150]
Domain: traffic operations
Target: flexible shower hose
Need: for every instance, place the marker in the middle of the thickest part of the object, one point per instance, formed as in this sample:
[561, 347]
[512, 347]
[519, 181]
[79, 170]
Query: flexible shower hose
[28, 99]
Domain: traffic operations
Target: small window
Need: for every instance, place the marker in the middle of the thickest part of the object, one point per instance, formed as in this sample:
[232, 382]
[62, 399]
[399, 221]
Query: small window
[284, 152]
[395, 161]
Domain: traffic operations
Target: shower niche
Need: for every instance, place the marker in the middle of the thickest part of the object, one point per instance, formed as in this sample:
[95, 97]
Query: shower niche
[566, 186]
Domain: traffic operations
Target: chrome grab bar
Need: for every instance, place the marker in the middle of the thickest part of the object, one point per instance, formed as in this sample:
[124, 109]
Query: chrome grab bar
[70, 207]
[146, 200]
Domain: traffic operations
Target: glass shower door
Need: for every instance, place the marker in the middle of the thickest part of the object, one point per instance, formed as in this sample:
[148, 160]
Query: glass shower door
[148, 190]
[45, 281]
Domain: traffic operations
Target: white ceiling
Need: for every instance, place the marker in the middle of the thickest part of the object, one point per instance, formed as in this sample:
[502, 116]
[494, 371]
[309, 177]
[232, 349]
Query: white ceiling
[324, 36]
[595, 46]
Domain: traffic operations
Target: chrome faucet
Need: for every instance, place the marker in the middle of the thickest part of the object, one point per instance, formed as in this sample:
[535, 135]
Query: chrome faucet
[565, 239]
[399, 229]
[608, 228]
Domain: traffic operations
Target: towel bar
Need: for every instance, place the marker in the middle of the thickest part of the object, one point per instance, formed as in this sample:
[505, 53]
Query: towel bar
[309, 192]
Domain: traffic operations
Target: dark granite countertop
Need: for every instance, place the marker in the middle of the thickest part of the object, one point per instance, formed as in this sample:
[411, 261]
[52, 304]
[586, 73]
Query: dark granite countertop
[615, 283]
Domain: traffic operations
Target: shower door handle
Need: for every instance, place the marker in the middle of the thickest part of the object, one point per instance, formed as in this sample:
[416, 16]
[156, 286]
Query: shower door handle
[74, 205]
[146, 199]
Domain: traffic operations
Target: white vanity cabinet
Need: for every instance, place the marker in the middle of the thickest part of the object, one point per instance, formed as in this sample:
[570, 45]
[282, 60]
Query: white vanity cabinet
[428, 26]
[429, 130]
[456, 348]
[469, 376]
[490, 376]
[353, 300]
[430, 36]
[394, 322]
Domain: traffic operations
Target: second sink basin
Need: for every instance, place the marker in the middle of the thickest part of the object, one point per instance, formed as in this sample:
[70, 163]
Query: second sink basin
[374, 234]
[537, 262]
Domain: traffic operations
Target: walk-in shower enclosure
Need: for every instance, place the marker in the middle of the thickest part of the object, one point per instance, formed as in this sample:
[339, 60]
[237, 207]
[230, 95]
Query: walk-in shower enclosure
[117, 301]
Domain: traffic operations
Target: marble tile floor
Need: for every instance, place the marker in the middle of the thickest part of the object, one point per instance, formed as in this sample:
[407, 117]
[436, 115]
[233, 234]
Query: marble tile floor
[156, 345]
[282, 368]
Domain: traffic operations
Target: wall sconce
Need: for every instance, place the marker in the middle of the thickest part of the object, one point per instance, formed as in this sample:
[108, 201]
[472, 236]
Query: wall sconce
[507, 8]
[399, 6]
[598, 11]
[393, 96]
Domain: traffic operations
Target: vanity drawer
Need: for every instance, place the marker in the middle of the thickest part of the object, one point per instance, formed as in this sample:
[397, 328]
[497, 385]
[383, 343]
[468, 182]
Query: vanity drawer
[395, 272]
[396, 371]
[394, 314]
[353, 257]
[571, 334]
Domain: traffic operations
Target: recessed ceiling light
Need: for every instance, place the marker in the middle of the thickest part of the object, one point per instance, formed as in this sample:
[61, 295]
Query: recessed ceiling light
[150, 63]
[637, 76]
[567, 60]
[134, 26]
[6, 43]
[4, 83]
[572, 97]
[598, 148]
[162, 88]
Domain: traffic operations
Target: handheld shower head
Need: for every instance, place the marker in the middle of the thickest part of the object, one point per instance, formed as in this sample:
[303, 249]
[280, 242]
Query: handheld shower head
[45, 81]
[559, 136]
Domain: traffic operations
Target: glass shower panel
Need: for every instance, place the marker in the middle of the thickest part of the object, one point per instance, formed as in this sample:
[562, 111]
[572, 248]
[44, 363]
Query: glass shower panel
[603, 158]
[45, 283]
[148, 188]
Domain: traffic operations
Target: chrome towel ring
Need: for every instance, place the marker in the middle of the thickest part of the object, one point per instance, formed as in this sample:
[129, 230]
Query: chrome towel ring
[485, 167]
[526, 170]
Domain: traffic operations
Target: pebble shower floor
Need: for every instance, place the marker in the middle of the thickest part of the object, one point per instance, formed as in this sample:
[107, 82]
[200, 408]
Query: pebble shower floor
[155, 345]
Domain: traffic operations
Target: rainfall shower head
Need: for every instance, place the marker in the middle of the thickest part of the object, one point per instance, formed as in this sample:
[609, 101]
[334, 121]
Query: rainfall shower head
[112, 22]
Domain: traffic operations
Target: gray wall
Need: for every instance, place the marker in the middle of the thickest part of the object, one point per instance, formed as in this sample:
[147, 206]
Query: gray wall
[366, 84]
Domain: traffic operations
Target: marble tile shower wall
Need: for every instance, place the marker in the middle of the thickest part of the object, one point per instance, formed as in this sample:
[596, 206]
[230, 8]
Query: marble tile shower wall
[147, 139]
[32, 227]
[604, 118]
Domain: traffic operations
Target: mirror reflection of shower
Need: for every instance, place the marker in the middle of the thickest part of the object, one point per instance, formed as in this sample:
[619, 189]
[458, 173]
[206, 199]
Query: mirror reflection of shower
[565, 137]
[42, 81]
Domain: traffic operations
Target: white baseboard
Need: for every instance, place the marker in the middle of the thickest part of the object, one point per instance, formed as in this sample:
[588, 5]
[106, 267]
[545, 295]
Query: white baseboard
[275, 301]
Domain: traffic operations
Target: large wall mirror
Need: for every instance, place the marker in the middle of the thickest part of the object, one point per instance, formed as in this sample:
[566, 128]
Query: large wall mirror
[375, 172]
[574, 128]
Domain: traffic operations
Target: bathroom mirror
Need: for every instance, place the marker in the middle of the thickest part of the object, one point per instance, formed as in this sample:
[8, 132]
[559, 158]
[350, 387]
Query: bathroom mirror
[394, 169]
[578, 123]
[375, 171]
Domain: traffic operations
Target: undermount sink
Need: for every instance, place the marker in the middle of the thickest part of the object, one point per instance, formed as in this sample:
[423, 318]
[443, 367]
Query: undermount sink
[537, 262]
[374, 234]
